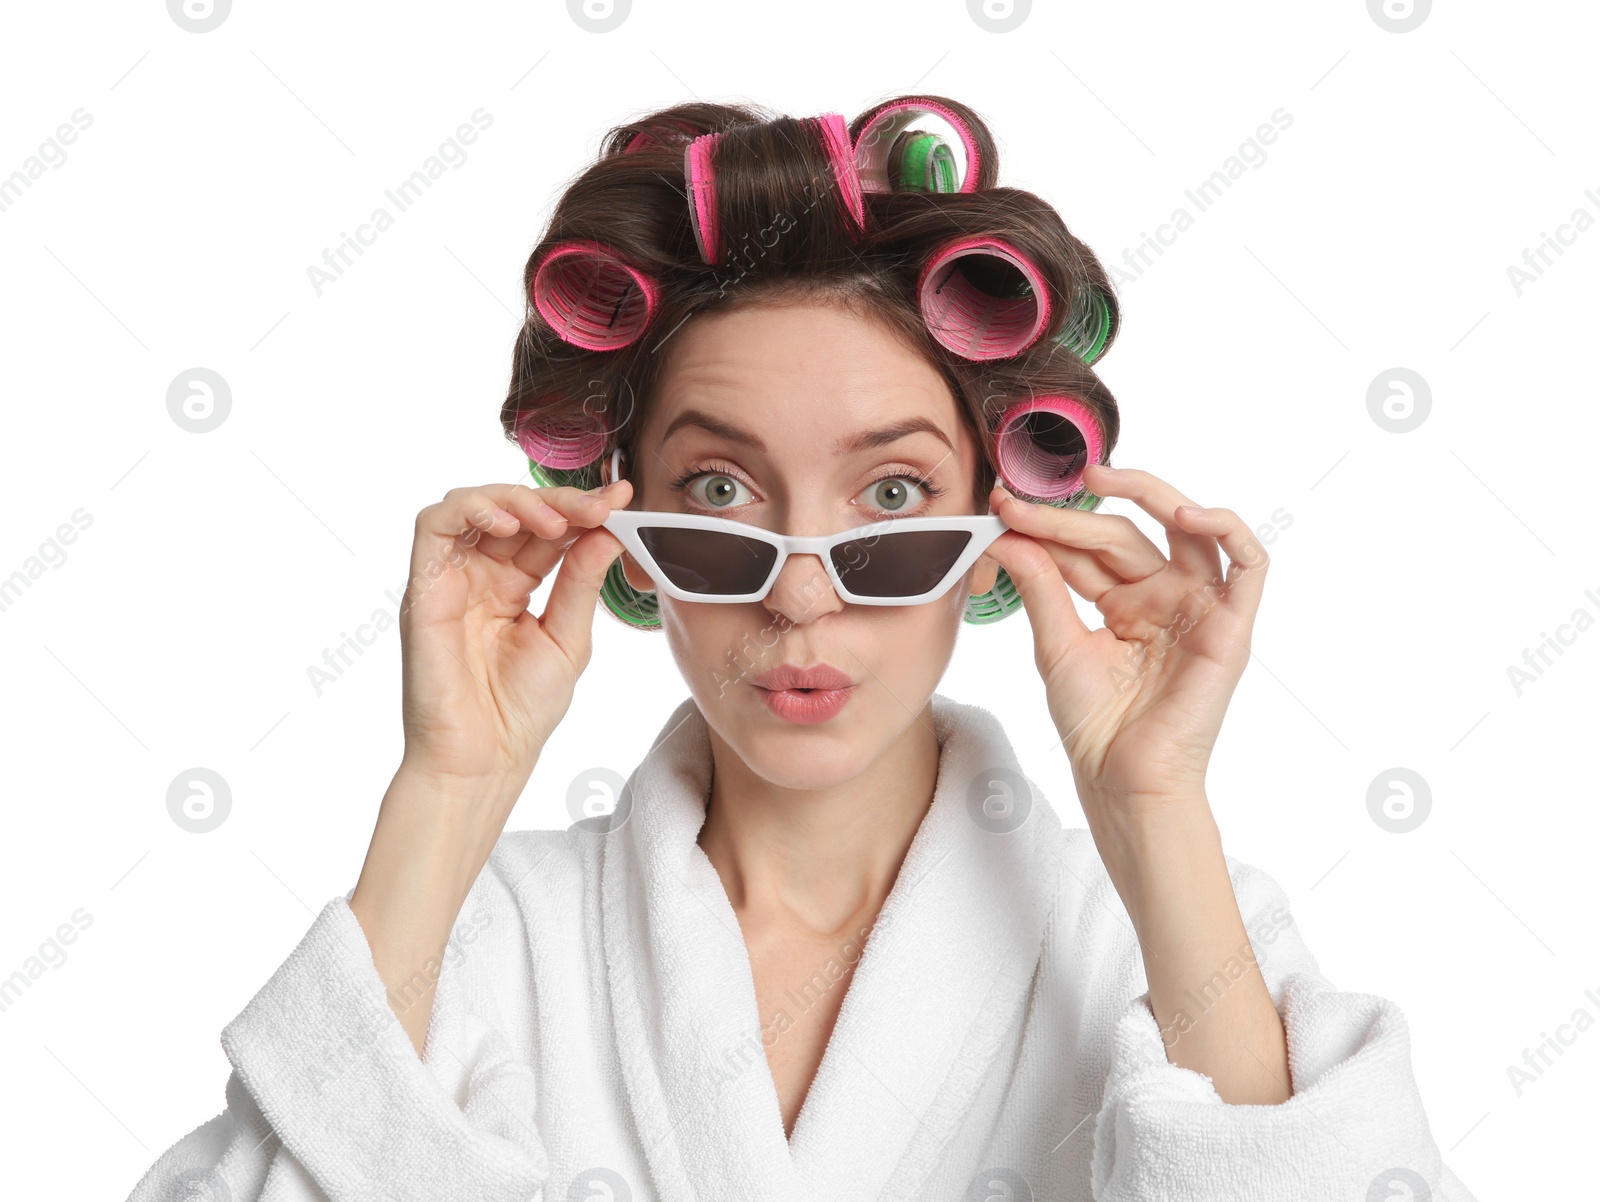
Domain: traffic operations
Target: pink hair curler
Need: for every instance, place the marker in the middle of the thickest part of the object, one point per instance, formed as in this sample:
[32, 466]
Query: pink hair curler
[701, 179]
[591, 298]
[983, 299]
[1044, 443]
[700, 176]
[881, 130]
[836, 137]
[563, 443]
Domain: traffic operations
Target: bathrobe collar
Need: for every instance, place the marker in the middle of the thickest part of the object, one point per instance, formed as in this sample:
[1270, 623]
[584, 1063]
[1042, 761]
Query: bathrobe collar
[939, 985]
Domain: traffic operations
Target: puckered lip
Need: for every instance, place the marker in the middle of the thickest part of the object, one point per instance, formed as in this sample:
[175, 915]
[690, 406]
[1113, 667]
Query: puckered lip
[791, 676]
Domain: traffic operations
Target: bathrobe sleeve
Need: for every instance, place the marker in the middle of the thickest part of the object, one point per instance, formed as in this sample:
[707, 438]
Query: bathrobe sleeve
[1354, 1127]
[328, 1101]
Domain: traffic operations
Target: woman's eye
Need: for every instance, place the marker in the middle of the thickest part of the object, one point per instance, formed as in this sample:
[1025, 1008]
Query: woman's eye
[715, 490]
[893, 493]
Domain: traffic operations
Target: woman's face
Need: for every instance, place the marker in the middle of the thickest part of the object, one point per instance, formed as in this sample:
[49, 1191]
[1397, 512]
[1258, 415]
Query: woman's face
[752, 418]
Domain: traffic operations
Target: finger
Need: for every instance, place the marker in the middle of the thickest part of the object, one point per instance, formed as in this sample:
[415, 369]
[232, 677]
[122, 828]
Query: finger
[539, 558]
[496, 533]
[581, 507]
[526, 528]
[452, 530]
[1089, 578]
[442, 545]
[447, 541]
[568, 616]
[549, 512]
[1057, 628]
[1124, 549]
[1247, 558]
[1191, 553]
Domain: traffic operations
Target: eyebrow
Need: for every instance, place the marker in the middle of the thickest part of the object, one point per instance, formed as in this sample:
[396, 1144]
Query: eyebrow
[860, 441]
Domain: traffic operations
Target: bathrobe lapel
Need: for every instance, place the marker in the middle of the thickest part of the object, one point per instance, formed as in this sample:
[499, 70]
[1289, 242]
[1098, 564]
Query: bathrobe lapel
[682, 993]
[942, 980]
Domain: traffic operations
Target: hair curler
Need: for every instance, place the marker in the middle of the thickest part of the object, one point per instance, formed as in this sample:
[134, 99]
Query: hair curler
[999, 602]
[699, 173]
[591, 297]
[1089, 328]
[562, 442]
[1043, 444]
[836, 139]
[562, 451]
[922, 162]
[639, 608]
[883, 154]
[700, 176]
[983, 299]
[585, 477]
[633, 607]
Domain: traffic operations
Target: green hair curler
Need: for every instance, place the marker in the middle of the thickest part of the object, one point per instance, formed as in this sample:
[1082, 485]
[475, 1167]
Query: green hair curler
[1088, 329]
[999, 602]
[585, 477]
[922, 162]
[633, 608]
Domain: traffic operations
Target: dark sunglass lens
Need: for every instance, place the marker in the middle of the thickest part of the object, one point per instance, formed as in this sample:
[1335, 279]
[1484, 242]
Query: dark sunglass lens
[709, 561]
[900, 563]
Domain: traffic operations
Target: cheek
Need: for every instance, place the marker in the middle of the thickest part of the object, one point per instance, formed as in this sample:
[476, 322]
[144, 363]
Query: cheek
[716, 646]
[909, 647]
[941, 627]
[938, 625]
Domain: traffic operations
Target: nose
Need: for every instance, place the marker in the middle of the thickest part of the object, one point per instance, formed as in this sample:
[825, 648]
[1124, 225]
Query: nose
[802, 592]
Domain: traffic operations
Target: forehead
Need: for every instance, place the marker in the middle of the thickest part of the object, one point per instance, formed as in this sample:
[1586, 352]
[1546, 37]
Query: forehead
[802, 371]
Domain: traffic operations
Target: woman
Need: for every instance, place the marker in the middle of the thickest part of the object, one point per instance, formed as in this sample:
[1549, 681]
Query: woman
[831, 942]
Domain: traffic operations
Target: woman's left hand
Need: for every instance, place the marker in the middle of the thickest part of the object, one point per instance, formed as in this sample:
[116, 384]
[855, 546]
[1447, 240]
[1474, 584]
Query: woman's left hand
[1138, 702]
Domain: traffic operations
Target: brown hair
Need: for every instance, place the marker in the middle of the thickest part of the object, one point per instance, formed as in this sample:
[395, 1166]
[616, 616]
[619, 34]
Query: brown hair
[785, 216]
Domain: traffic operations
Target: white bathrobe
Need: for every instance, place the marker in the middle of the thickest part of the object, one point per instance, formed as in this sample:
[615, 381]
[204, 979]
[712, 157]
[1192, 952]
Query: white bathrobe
[595, 1034]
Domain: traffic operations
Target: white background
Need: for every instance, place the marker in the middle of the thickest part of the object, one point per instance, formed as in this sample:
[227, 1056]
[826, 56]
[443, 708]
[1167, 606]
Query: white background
[1415, 570]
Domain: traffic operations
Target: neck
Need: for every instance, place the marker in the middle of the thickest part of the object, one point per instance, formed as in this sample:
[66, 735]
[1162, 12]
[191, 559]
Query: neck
[825, 859]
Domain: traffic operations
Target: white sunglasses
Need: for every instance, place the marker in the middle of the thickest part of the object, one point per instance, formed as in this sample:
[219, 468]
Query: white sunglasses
[902, 561]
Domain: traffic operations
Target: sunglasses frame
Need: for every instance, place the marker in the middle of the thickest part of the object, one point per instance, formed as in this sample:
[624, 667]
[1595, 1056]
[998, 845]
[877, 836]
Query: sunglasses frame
[625, 524]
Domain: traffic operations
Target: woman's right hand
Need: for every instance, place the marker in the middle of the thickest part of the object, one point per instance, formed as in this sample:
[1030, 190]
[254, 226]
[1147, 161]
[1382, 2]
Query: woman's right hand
[484, 681]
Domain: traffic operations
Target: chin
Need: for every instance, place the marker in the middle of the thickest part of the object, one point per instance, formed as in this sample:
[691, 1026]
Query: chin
[805, 762]
[795, 751]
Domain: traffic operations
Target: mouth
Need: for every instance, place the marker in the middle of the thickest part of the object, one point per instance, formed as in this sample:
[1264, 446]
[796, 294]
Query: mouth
[805, 695]
[817, 678]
